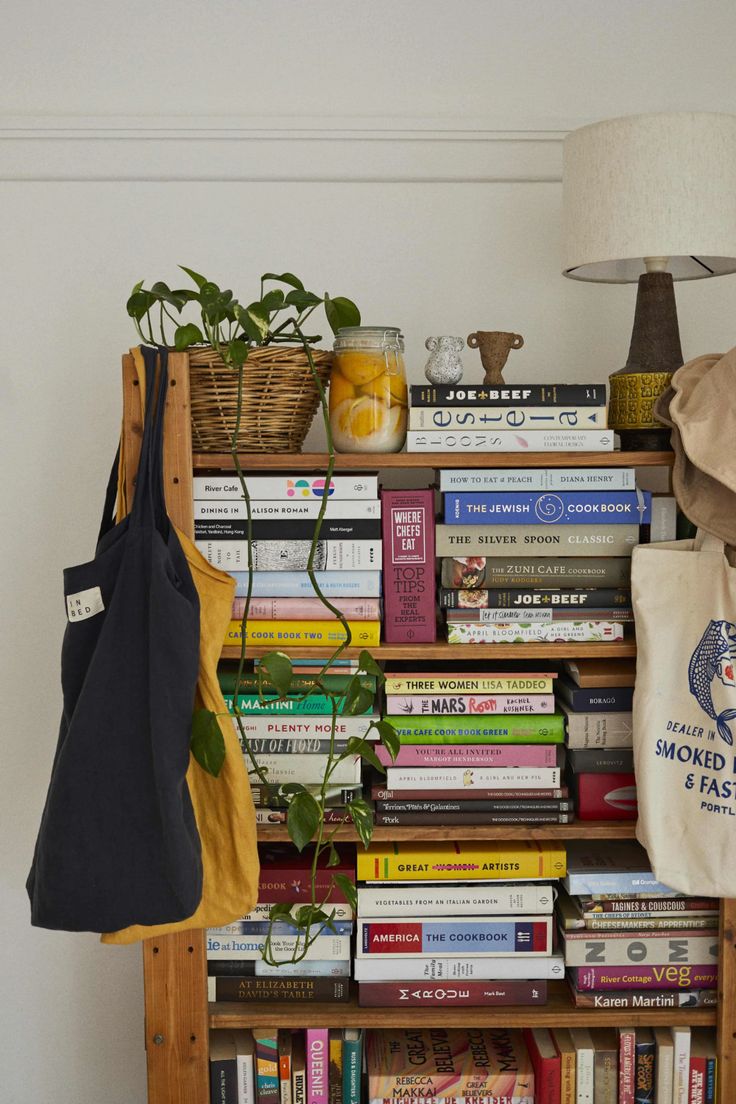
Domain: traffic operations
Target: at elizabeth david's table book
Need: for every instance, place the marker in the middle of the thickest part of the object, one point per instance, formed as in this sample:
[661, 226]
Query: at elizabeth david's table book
[408, 566]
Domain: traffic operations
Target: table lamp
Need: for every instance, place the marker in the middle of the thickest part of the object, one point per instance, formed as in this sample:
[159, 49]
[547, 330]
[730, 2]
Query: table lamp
[649, 198]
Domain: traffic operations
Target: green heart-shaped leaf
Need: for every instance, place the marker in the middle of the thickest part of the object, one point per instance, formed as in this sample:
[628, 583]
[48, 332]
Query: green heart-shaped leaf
[207, 743]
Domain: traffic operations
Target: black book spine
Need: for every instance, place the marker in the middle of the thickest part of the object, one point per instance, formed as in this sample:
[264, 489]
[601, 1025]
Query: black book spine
[554, 394]
[469, 807]
[529, 600]
[610, 699]
[600, 760]
[294, 990]
[474, 818]
[223, 1081]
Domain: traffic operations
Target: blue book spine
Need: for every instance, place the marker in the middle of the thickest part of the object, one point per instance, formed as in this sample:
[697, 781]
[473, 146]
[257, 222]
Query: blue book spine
[550, 508]
[625, 883]
[280, 927]
[644, 1059]
[710, 1080]
[296, 584]
[486, 937]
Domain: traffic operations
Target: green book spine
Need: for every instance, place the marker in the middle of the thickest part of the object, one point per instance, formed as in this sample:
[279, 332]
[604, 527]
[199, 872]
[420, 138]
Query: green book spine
[299, 683]
[529, 728]
[352, 1055]
[314, 705]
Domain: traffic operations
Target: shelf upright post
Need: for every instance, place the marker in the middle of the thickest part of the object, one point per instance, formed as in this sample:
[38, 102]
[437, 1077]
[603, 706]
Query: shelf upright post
[174, 966]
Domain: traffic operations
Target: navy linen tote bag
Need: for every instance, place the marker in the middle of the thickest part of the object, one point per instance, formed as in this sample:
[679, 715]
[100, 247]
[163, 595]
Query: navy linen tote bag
[118, 842]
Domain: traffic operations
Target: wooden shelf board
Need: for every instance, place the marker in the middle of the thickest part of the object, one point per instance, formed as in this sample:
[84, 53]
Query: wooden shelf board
[558, 1012]
[349, 461]
[459, 652]
[581, 829]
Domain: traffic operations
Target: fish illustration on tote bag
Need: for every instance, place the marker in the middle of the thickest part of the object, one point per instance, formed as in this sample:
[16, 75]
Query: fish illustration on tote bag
[712, 659]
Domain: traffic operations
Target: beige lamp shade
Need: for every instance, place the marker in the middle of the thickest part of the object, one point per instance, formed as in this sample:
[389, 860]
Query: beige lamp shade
[654, 186]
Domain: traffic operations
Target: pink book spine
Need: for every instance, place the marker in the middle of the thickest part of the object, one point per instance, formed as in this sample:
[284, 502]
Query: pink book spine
[309, 609]
[626, 1056]
[470, 755]
[408, 566]
[317, 1062]
[644, 977]
[467, 704]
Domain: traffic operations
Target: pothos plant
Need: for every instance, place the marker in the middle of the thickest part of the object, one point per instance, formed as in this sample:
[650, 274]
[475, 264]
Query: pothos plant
[183, 317]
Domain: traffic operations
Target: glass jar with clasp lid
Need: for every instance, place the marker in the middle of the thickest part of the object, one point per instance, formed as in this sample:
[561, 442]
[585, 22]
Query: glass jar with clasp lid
[368, 392]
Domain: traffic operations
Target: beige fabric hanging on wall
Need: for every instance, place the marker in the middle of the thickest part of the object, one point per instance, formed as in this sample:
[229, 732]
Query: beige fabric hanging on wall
[223, 806]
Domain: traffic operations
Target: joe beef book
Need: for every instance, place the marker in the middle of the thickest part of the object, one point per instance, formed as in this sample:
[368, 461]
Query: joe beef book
[408, 566]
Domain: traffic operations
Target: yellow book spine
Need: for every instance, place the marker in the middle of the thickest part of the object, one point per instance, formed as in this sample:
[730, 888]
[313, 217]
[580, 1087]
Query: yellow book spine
[305, 634]
[465, 862]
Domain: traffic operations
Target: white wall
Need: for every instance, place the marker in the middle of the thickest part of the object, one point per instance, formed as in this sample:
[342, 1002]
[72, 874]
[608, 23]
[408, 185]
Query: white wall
[137, 136]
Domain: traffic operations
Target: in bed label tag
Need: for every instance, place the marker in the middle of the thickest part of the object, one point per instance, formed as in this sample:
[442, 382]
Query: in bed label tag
[84, 604]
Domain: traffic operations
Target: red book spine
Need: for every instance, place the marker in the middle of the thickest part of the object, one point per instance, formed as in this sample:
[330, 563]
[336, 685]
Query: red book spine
[626, 1065]
[606, 796]
[547, 1070]
[395, 994]
[408, 567]
[696, 1093]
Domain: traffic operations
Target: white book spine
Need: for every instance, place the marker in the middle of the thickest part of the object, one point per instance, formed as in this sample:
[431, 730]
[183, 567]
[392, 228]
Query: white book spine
[246, 1075]
[456, 901]
[616, 948]
[287, 510]
[292, 555]
[428, 968]
[598, 730]
[263, 909]
[539, 440]
[664, 1066]
[664, 519]
[681, 1064]
[526, 418]
[320, 968]
[297, 584]
[324, 948]
[584, 1066]
[309, 768]
[533, 631]
[538, 479]
[483, 778]
[290, 487]
[306, 727]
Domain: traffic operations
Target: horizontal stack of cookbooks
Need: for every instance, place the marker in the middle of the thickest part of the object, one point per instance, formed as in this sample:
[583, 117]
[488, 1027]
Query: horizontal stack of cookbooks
[317, 1065]
[595, 697]
[236, 967]
[629, 941]
[540, 1066]
[290, 738]
[542, 554]
[284, 609]
[476, 748]
[516, 418]
[432, 915]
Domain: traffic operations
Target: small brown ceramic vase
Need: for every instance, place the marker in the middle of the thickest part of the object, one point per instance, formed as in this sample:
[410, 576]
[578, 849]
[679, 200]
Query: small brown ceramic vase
[494, 347]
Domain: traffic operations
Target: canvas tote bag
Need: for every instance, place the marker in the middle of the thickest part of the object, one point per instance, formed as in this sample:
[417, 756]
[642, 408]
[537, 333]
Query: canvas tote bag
[684, 598]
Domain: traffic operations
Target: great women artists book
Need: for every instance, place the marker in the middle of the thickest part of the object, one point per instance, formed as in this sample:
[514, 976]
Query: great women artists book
[448, 860]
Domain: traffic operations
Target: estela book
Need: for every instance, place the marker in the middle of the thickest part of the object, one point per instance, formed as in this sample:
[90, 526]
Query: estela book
[464, 418]
[408, 566]
[450, 860]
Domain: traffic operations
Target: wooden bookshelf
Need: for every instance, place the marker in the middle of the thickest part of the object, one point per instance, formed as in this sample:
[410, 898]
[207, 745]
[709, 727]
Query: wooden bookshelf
[559, 1011]
[177, 1015]
[580, 829]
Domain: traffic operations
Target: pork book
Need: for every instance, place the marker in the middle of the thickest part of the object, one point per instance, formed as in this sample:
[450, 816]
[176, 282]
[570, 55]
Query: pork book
[418, 1065]
[408, 566]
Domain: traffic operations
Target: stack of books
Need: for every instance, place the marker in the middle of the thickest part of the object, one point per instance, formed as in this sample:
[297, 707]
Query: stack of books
[539, 554]
[284, 610]
[235, 966]
[629, 940]
[269, 1066]
[595, 697]
[439, 912]
[540, 1066]
[475, 749]
[525, 417]
[290, 737]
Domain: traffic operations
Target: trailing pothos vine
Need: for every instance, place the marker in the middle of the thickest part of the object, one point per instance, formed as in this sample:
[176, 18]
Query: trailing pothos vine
[278, 316]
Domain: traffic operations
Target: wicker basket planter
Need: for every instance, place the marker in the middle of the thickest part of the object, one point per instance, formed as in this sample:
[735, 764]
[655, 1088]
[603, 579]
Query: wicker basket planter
[280, 399]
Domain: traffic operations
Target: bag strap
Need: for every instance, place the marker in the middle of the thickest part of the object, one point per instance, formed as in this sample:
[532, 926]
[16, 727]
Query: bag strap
[706, 542]
[148, 501]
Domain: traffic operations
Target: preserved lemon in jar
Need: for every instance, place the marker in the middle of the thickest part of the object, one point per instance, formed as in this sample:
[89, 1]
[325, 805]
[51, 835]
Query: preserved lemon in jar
[368, 392]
